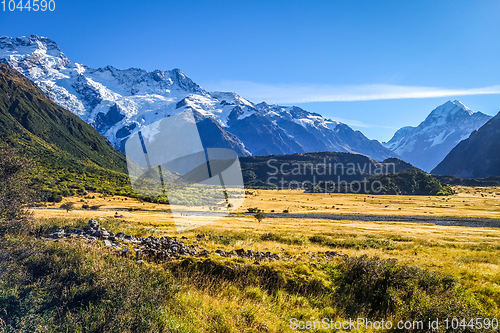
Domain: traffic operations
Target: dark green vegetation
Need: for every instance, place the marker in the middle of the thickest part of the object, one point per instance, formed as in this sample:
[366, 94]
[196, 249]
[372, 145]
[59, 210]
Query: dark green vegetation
[477, 156]
[452, 180]
[412, 181]
[269, 171]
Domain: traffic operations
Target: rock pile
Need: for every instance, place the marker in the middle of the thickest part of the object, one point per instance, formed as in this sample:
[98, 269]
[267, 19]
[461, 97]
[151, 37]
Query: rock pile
[160, 249]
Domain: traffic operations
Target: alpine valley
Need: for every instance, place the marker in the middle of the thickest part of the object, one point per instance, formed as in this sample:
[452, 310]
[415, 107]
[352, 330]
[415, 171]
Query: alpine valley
[119, 102]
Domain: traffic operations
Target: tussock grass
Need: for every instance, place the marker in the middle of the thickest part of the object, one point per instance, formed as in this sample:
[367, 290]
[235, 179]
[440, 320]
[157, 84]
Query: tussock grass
[441, 271]
[77, 287]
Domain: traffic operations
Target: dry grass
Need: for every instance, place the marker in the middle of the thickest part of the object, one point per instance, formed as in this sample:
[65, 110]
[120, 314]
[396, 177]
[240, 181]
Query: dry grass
[468, 202]
[469, 254]
[466, 252]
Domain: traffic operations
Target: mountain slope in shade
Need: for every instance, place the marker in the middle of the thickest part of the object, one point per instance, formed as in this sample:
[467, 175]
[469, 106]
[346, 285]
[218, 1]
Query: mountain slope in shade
[45, 131]
[476, 157]
[427, 144]
[120, 102]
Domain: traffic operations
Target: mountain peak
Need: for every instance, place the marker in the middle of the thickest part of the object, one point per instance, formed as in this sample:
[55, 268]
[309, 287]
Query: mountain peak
[231, 98]
[476, 156]
[427, 144]
[39, 42]
[33, 55]
[451, 107]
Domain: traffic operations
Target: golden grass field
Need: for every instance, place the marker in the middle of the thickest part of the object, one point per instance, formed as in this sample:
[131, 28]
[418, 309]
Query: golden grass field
[471, 255]
[443, 248]
[468, 202]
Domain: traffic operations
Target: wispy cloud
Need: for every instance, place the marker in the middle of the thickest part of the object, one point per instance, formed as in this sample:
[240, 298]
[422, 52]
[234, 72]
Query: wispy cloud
[288, 93]
[357, 123]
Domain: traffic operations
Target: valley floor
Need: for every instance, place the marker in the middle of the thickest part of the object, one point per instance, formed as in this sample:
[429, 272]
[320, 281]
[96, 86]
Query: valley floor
[238, 295]
[470, 202]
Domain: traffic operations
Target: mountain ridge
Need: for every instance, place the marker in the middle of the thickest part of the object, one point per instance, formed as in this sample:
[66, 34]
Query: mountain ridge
[119, 102]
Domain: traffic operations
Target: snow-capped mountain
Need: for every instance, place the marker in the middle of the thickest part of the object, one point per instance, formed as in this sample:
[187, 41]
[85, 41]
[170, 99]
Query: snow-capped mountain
[476, 156]
[119, 102]
[427, 144]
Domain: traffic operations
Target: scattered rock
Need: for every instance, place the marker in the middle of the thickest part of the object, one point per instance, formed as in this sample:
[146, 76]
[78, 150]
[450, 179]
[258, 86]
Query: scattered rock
[159, 249]
[93, 224]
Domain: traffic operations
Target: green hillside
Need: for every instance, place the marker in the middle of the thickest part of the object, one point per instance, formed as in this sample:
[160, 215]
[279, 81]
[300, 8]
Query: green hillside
[264, 171]
[71, 156]
[411, 182]
[46, 132]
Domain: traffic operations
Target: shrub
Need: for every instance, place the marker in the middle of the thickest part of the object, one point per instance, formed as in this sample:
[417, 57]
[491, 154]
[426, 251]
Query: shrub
[67, 206]
[259, 216]
[74, 288]
[14, 191]
[377, 287]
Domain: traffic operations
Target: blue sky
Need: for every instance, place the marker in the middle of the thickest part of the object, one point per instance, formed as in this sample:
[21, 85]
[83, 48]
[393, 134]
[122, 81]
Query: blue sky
[376, 65]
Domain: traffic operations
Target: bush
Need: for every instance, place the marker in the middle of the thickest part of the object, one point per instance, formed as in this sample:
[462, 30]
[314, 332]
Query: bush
[14, 191]
[56, 198]
[446, 190]
[259, 216]
[67, 206]
[76, 288]
[378, 288]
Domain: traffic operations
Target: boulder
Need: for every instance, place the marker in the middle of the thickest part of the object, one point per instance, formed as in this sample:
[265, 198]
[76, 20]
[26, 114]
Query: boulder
[93, 224]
